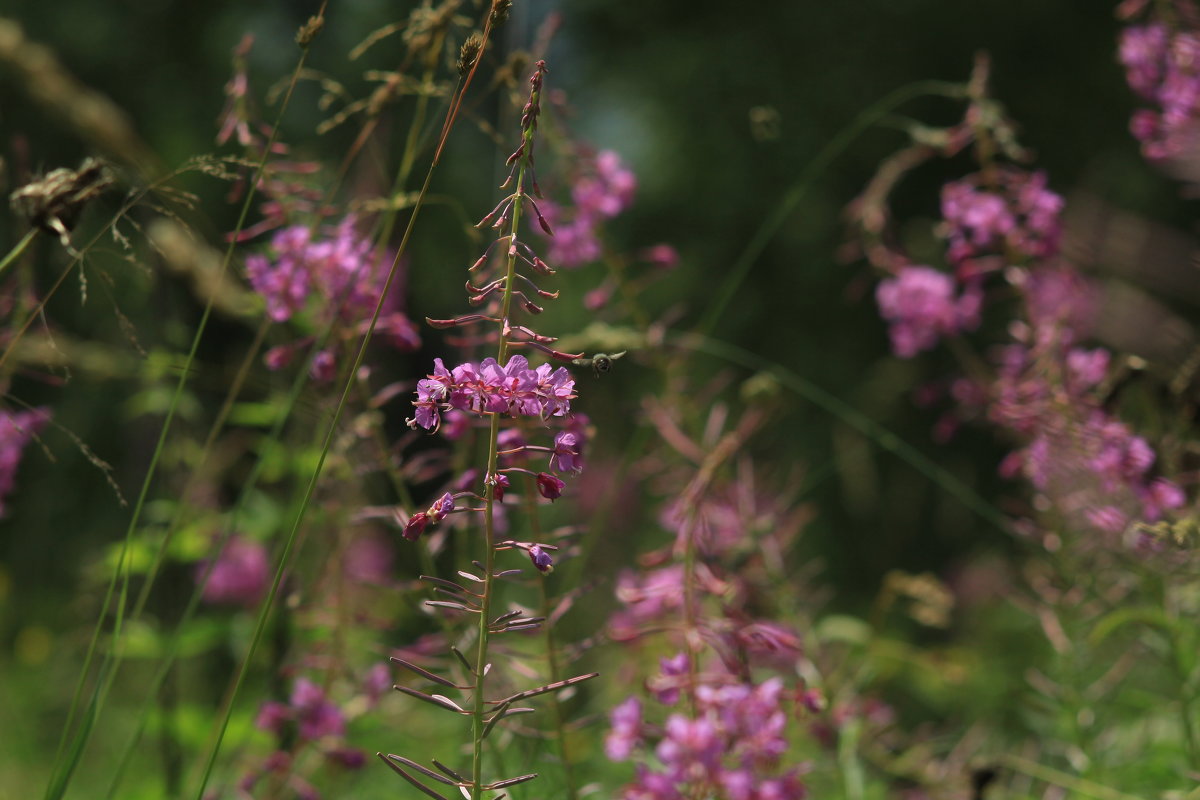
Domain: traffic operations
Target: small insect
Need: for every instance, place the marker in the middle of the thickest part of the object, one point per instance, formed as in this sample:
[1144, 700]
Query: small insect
[600, 363]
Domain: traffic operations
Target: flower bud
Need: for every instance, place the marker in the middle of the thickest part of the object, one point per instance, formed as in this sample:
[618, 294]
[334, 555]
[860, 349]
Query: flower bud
[541, 559]
[549, 486]
[500, 484]
[416, 526]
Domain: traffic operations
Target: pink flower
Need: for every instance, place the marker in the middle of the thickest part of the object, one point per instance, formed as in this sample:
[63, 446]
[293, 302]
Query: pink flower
[921, 305]
[441, 508]
[566, 457]
[339, 272]
[315, 715]
[17, 430]
[541, 559]
[626, 730]
[415, 526]
[549, 486]
[240, 575]
[514, 389]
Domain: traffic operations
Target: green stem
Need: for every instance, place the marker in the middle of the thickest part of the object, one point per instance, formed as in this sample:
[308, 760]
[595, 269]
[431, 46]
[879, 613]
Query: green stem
[1187, 695]
[479, 709]
[18, 249]
[552, 666]
[1056, 777]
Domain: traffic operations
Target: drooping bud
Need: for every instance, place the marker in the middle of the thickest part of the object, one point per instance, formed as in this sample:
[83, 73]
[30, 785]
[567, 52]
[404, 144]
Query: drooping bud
[541, 559]
[416, 526]
[549, 486]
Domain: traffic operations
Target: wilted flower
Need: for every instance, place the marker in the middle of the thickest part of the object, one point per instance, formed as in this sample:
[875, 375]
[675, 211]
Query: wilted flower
[549, 486]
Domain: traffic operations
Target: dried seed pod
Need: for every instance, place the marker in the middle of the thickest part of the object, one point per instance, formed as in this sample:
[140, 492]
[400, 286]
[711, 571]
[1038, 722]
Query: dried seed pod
[54, 202]
[500, 12]
[468, 53]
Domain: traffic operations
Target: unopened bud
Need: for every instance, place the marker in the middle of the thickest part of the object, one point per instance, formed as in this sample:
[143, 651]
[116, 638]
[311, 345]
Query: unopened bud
[416, 526]
[541, 559]
[500, 484]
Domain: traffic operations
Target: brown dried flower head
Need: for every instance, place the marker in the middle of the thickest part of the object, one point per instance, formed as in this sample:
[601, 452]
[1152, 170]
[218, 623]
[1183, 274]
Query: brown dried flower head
[500, 11]
[468, 53]
[53, 202]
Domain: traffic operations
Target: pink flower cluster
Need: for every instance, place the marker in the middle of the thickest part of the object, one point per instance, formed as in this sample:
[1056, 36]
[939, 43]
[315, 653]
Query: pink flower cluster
[1086, 465]
[733, 747]
[1011, 217]
[604, 191]
[1093, 467]
[514, 389]
[240, 575]
[314, 720]
[339, 274]
[17, 429]
[922, 304]
[1163, 67]
[314, 716]
[990, 224]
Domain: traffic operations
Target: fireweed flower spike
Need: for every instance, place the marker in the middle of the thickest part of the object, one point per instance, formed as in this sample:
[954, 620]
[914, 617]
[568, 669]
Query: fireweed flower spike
[503, 387]
[1161, 68]
[1046, 391]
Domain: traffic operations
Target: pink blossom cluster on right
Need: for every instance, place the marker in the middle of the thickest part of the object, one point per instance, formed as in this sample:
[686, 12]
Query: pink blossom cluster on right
[1047, 388]
[1162, 65]
[1013, 217]
[1095, 469]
